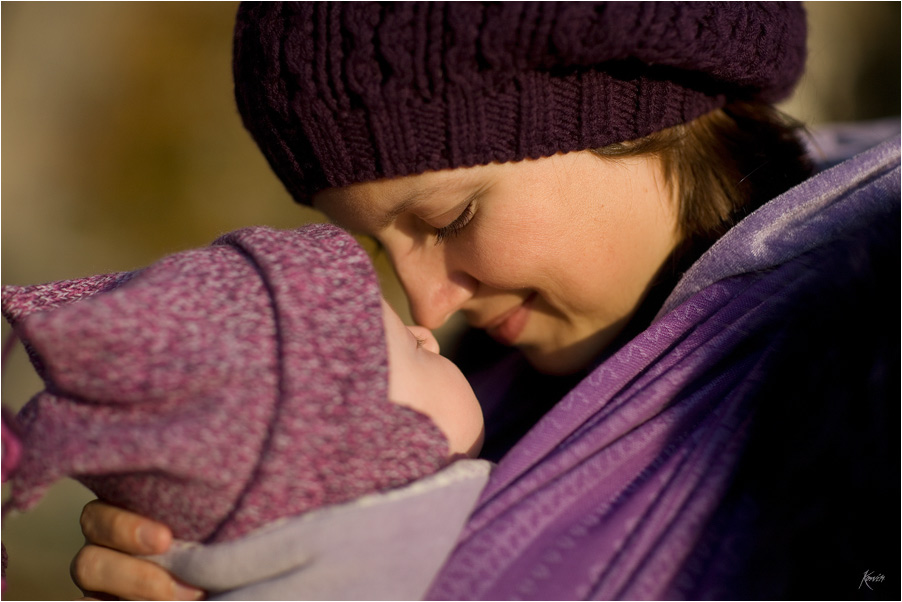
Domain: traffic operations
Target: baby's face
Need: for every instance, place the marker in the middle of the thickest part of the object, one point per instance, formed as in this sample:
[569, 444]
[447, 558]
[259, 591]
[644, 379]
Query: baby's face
[421, 379]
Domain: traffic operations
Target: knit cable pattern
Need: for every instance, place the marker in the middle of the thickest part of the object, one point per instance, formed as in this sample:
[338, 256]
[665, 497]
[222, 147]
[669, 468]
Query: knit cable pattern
[338, 93]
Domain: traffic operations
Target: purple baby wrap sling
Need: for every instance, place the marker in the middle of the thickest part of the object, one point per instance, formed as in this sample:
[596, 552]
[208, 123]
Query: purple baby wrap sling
[625, 489]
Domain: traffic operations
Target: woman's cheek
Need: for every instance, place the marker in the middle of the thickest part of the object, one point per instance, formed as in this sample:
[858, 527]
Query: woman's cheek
[505, 257]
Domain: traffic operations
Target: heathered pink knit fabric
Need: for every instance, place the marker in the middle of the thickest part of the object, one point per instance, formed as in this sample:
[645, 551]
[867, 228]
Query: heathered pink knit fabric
[220, 388]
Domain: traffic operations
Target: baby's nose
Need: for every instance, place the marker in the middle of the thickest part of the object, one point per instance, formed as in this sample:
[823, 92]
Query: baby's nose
[425, 335]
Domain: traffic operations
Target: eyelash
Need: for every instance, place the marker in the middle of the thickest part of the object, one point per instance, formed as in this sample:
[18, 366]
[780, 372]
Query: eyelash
[455, 227]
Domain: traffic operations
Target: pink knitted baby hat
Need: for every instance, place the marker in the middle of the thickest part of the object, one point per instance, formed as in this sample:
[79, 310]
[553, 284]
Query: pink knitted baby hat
[220, 388]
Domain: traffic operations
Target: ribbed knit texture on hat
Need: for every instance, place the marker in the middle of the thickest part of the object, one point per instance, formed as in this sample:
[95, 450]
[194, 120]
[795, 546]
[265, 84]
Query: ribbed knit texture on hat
[347, 92]
[221, 388]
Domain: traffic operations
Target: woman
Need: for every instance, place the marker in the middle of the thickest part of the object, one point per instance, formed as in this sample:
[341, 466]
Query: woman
[556, 173]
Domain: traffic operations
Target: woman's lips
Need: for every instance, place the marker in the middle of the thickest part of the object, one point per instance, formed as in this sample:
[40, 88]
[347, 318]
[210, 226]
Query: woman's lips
[507, 327]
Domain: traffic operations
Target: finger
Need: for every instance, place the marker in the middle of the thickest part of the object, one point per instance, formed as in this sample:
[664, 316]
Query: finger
[97, 569]
[121, 530]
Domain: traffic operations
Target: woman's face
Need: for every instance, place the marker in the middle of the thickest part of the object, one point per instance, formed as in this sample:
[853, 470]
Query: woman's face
[552, 256]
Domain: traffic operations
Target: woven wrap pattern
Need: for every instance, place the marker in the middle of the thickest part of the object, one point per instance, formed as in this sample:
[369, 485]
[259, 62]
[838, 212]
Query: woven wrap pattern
[221, 388]
[737, 440]
[339, 93]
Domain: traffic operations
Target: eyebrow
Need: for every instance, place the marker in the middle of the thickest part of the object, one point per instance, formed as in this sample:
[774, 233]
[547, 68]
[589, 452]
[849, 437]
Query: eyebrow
[410, 200]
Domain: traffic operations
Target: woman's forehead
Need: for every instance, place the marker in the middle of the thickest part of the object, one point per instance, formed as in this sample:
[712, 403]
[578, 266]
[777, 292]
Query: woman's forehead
[381, 201]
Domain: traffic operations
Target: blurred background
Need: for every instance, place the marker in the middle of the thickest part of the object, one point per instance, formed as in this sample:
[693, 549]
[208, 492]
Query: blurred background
[121, 143]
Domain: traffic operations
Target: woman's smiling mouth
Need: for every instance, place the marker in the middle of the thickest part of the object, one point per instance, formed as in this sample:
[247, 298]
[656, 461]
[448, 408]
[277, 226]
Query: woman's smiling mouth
[507, 327]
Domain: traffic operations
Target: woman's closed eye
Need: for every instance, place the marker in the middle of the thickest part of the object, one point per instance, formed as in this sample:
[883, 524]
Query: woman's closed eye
[455, 227]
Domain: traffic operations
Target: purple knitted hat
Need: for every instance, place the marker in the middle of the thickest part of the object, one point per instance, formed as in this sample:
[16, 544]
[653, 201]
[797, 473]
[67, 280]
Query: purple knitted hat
[220, 388]
[347, 92]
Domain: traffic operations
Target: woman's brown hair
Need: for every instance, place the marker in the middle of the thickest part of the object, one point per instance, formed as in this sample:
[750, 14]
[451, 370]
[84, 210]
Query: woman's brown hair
[723, 165]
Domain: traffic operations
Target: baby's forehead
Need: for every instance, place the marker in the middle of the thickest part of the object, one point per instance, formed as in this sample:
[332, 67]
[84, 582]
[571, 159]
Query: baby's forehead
[392, 322]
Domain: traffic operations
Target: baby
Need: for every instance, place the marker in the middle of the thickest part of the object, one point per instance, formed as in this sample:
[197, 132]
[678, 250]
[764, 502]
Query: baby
[225, 389]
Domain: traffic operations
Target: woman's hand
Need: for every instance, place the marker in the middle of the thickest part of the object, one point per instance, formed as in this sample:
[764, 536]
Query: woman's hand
[106, 562]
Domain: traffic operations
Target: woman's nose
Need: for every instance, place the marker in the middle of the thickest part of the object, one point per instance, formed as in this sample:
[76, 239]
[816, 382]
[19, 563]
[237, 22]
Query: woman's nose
[428, 340]
[433, 290]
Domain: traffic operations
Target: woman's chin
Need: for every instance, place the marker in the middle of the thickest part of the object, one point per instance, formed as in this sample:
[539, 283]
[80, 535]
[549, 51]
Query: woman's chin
[561, 362]
[570, 358]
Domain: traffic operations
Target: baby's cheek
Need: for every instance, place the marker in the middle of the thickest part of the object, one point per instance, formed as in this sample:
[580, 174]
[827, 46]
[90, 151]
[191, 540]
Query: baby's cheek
[462, 415]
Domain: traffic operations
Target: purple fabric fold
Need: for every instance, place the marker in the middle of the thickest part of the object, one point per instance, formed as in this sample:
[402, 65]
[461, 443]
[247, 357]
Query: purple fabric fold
[612, 494]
